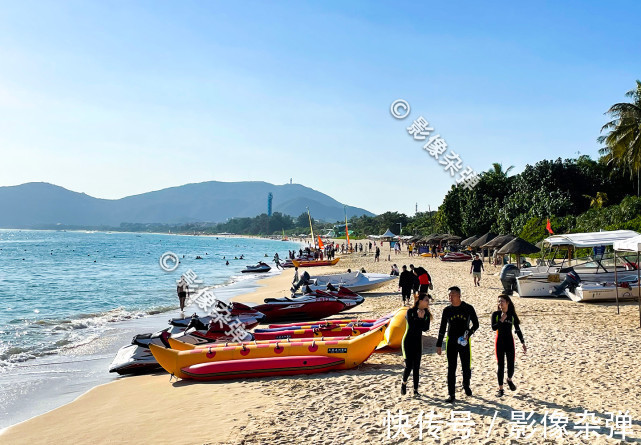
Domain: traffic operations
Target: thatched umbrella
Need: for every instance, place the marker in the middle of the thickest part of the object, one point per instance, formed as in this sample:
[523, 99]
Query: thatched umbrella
[452, 238]
[482, 240]
[470, 240]
[498, 242]
[518, 246]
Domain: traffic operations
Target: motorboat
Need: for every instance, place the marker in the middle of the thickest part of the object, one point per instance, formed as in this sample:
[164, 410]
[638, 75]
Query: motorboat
[354, 281]
[304, 307]
[560, 257]
[627, 288]
[456, 256]
[258, 268]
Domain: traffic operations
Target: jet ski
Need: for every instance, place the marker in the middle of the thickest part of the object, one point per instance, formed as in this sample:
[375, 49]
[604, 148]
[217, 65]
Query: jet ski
[347, 297]
[260, 267]
[136, 358]
[304, 307]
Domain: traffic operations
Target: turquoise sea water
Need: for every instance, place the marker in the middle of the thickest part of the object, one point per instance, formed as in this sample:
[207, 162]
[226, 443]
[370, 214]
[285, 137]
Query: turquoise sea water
[62, 290]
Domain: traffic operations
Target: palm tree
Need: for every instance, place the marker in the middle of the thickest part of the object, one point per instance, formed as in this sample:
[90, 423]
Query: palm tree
[497, 169]
[623, 142]
[598, 201]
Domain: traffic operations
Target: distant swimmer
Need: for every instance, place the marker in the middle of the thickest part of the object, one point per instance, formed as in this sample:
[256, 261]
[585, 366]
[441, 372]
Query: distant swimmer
[242, 257]
[226, 263]
[502, 322]
[235, 257]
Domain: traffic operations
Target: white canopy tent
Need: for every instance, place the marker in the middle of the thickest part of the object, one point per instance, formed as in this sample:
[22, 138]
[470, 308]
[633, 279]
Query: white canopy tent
[630, 245]
[590, 239]
[388, 234]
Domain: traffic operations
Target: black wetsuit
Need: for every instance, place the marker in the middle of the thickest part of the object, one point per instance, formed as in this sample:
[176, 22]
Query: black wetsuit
[405, 282]
[504, 342]
[413, 343]
[458, 318]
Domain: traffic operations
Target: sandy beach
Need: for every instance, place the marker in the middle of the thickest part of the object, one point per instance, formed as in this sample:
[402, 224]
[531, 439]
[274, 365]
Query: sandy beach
[581, 357]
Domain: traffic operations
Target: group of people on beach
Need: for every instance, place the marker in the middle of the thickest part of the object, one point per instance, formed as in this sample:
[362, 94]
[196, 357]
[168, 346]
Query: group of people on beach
[414, 281]
[460, 322]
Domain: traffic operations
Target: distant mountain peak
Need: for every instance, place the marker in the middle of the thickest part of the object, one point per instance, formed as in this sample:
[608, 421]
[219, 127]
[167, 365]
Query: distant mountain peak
[40, 204]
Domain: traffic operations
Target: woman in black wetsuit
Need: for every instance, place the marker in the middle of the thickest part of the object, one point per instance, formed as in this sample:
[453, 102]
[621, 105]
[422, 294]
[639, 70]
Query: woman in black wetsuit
[417, 321]
[502, 322]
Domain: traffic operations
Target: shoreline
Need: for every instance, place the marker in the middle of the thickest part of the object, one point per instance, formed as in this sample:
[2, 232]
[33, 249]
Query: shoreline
[247, 286]
[580, 357]
[49, 380]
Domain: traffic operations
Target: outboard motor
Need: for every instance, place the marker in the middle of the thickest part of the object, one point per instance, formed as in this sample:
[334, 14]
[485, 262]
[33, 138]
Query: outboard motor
[508, 275]
[304, 281]
[572, 280]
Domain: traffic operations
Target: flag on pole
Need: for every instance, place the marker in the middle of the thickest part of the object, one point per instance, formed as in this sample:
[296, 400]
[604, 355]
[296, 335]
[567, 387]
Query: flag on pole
[320, 243]
[549, 227]
[346, 228]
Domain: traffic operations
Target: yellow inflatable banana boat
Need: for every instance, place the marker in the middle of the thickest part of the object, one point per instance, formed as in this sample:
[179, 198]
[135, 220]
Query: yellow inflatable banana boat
[269, 358]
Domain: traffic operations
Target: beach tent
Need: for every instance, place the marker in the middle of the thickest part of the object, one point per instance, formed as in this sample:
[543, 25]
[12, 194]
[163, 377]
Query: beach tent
[629, 245]
[388, 234]
[518, 246]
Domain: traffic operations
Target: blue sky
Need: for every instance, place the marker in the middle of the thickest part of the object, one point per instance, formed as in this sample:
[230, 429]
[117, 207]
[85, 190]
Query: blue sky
[118, 98]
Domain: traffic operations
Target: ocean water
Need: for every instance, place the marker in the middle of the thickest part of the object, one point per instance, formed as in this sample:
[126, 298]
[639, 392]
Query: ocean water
[61, 291]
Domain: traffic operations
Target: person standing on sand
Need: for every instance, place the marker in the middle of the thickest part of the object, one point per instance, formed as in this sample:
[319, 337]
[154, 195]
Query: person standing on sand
[476, 268]
[457, 317]
[183, 290]
[277, 261]
[416, 284]
[424, 280]
[417, 321]
[295, 280]
[377, 256]
[502, 322]
[405, 283]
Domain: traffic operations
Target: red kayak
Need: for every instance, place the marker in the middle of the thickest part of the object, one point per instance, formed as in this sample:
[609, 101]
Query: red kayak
[330, 323]
[306, 307]
[320, 332]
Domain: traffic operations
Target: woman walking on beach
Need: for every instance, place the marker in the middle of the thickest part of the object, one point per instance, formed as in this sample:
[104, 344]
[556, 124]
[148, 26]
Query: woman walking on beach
[417, 321]
[502, 322]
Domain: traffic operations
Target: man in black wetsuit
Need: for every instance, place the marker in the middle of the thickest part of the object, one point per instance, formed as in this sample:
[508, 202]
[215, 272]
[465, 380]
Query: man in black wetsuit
[458, 316]
[405, 284]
